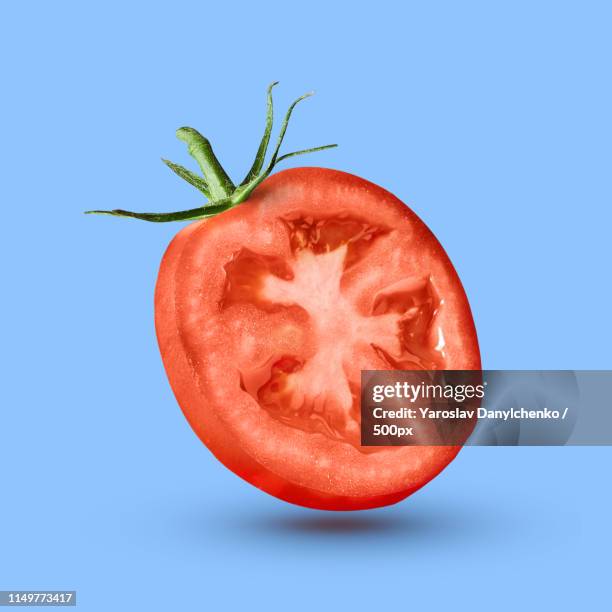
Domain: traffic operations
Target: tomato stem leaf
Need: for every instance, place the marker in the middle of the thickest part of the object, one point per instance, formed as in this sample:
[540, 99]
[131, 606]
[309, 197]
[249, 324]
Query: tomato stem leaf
[219, 183]
[191, 177]
[283, 129]
[184, 215]
[304, 151]
[215, 184]
[260, 156]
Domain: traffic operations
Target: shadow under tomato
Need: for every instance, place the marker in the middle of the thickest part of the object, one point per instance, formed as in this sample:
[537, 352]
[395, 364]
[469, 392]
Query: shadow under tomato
[428, 521]
[423, 524]
[337, 524]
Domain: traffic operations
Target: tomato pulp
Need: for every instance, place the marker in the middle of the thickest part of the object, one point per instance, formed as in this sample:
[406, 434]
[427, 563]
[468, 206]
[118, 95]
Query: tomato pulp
[267, 313]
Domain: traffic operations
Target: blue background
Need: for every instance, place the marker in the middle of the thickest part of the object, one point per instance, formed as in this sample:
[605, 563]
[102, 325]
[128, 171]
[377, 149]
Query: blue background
[491, 118]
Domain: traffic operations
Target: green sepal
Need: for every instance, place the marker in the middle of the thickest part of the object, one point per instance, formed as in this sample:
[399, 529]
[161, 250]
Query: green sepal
[193, 214]
[216, 185]
[260, 156]
[191, 177]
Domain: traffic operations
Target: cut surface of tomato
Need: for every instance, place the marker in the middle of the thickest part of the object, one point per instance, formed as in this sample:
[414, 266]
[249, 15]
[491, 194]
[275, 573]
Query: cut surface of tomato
[267, 314]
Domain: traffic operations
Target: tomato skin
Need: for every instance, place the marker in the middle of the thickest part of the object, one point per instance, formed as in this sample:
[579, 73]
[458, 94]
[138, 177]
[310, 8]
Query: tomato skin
[180, 283]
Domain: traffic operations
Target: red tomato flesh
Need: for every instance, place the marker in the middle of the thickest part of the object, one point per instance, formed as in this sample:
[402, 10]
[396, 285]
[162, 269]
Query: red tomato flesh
[267, 313]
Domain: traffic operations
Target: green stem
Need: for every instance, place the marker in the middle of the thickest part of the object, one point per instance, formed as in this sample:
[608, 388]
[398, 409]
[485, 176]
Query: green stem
[219, 183]
[216, 185]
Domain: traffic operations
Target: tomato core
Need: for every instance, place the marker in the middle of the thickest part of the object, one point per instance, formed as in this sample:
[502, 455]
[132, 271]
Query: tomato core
[319, 391]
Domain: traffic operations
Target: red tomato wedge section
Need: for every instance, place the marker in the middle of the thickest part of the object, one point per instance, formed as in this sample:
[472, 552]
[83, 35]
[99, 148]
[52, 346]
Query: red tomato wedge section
[267, 313]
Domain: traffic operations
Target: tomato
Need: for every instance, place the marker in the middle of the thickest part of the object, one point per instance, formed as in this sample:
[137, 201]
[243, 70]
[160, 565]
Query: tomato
[266, 315]
[268, 308]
